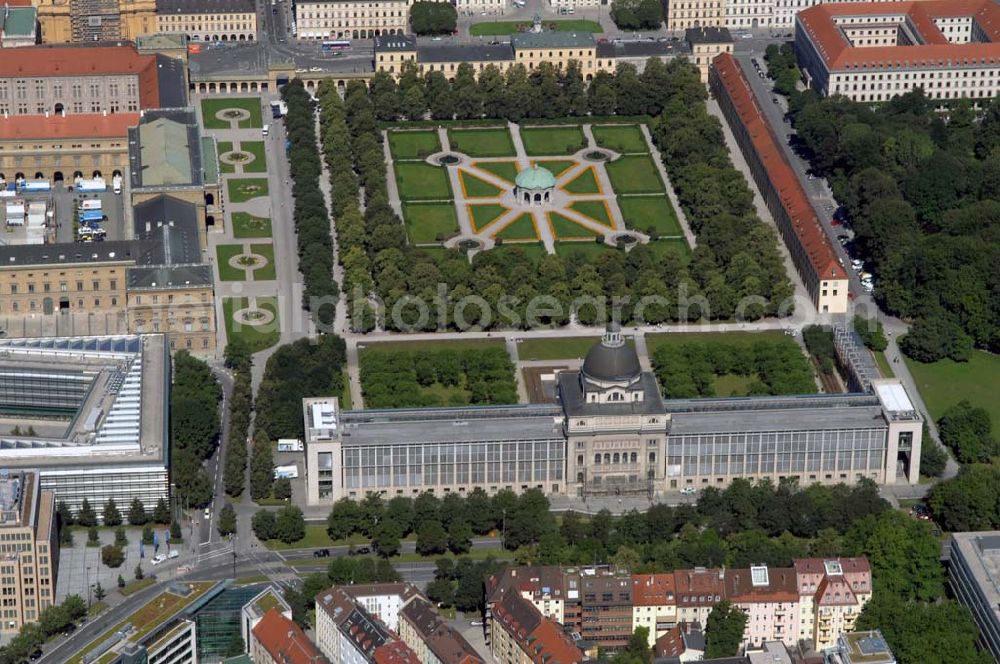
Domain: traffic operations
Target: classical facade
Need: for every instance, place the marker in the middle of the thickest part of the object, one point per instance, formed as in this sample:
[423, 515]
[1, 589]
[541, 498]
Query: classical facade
[706, 45]
[684, 14]
[815, 259]
[87, 21]
[29, 550]
[208, 20]
[874, 51]
[350, 19]
[611, 434]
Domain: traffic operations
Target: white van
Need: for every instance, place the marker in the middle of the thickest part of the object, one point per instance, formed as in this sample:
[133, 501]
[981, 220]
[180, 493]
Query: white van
[265, 130]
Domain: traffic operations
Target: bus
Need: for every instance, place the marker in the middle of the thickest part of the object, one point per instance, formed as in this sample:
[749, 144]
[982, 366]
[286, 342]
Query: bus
[336, 44]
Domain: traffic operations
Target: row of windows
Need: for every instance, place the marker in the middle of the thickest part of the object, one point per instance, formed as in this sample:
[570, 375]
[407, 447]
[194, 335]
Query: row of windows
[64, 286]
[42, 107]
[56, 89]
[206, 17]
[354, 15]
[48, 306]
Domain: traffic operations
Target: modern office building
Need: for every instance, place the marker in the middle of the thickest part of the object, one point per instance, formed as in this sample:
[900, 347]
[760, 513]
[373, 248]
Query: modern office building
[90, 414]
[159, 632]
[974, 577]
[814, 601]
[860, 648]
[611, 433]
[29, 550]
[813, 254]
[208, 20]
[874, 51]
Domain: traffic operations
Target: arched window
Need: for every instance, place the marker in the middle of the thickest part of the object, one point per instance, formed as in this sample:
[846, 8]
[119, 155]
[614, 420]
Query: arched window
[633, 458]
[607, 458]
[617, 458]
[597, 459]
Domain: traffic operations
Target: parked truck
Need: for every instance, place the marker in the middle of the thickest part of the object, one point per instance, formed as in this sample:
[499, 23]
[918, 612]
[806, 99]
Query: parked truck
[278, 109]
[91, 204]
[116, 184]
[91, 185]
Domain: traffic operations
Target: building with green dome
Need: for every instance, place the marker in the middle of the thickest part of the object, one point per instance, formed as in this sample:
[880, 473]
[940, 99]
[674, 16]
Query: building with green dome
[534, 186]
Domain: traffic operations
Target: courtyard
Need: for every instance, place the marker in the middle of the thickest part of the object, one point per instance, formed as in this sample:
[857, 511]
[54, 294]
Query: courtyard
[555, 187]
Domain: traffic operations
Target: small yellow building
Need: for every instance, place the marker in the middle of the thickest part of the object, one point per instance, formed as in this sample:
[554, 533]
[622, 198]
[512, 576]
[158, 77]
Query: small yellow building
[707, 43]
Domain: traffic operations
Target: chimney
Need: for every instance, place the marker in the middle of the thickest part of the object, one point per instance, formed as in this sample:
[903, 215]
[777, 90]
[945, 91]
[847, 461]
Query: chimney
[104, 113]
[149, 226]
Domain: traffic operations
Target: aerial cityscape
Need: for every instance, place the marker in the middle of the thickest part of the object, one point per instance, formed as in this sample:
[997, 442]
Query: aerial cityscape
[499, 331]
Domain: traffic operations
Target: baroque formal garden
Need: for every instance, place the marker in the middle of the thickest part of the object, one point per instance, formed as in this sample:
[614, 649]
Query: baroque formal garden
[542, 187]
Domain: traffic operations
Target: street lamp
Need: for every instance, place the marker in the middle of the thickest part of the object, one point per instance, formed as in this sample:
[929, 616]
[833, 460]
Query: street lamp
[88, 588]
[503, 535]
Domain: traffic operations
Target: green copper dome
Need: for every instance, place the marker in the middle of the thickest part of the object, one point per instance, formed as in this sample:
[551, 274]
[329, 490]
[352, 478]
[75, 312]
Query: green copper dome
[535, 177]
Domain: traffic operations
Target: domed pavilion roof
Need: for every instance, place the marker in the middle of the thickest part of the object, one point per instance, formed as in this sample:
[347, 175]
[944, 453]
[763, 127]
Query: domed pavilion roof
[612, 360]
[535, 177]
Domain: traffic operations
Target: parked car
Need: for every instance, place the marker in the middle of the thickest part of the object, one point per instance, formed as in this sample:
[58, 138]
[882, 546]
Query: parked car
[208, 513]
[157, 559]
[688, 491]
[476, 623]
[922, 512]
[321, 553]
[173, 554]
[36, 655]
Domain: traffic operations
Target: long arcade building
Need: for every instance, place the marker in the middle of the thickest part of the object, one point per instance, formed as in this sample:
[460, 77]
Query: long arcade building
[611, 434]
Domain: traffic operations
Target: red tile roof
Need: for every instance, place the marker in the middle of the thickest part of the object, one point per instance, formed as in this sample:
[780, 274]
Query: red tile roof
[820, 23]
[15, 3]
[699, 586]
[653, 589]
[794, 200]
[543, 640]
[89, 125]
[781, 586]
[395, 652]
[80, 60]
[285, 641]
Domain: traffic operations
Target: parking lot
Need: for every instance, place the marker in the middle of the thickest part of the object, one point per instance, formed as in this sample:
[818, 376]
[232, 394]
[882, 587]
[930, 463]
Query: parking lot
[61, 222]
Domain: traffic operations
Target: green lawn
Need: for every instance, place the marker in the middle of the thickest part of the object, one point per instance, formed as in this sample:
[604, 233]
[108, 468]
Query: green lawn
[482, 215]
[504, 169]
[643, 213]
[245, 225]
[566, 348]
[413, 144]
[564, 228]
[431, 344]
[635, 174]
[620, 138]
[259, 163]
[584, 183]
[209, 107]
[532, 252]
[422, 182]
[883, 364]
[476, 188]
[315, 537]
[596, 210]
[223, 148]
[944, 383]
[266, 272]
[257, 337]
[523, 228]
[552, 140]
[491, 28]
[495, 142]
[654, 341]
[227, 272]
[676, 246]
[430, 222]
[557, 166]
[243, 189]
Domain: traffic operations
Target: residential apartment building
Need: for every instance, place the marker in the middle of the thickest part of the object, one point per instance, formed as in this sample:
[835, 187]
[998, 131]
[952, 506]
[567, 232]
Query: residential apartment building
[874, 51]
[208, 20]
[276, 639]
[814, 601]
[350, 19]
[29, 550]
[814, 257]
[386, 623]
[706, 45]
[974, 577]
[430, 636]
[684, 14]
